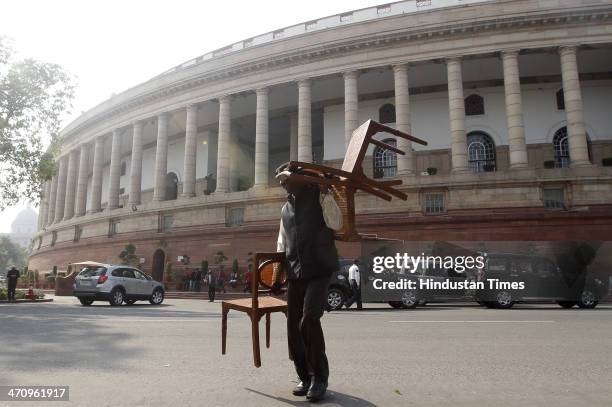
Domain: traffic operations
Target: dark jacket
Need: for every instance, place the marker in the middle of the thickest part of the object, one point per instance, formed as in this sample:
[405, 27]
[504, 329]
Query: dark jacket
[310, 248]
[12, 275]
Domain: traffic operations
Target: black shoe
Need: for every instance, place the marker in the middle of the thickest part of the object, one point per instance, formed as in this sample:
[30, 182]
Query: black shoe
[302, 388]
[317, 390]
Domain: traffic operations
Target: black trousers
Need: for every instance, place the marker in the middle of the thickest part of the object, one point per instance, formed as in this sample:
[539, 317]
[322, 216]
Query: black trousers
[11, 290]
[355, 295]
[306, 300]
[211, 292]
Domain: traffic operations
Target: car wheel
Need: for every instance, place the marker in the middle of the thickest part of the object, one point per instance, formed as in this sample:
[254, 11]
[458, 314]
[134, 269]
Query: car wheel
[157, 297]
[503, 300]
[588, 299]
[117, 296]
[566, 304]
[335, 299]
[395, 304]
[129, 302]
[86, 301]
[409, 299]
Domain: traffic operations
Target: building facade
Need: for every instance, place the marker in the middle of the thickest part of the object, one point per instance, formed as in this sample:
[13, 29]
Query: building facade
[513, 97]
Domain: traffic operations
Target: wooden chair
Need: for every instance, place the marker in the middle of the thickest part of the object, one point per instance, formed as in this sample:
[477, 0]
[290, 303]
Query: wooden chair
[269, 267]
[346, 181]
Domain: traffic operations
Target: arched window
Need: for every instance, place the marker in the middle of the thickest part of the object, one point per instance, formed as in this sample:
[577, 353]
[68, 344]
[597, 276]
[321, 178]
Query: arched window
[171, 186]
[385, 161]
[474, 105]
[560, 100]
[562, 158]
[386, 113]
[481, 152]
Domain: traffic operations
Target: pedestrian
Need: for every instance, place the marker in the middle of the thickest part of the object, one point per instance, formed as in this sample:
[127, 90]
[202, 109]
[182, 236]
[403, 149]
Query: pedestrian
[192, 281]
[311, 256]
[11, 278]
[212, 286]
[221, 281]
[355, 282]
[248, 278]
[198, 280]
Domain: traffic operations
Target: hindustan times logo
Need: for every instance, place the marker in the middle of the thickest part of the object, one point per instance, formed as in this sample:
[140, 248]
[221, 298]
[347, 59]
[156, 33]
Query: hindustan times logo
[413, 263]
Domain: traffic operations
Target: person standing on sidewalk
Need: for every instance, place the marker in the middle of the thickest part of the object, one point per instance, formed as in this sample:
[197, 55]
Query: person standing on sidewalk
[355, 282]
[212, 285]
[11, 279]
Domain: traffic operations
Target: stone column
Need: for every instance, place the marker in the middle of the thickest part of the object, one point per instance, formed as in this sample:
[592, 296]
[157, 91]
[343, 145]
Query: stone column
[351, 105]
[576, 133]
[514, 110]
[293, 136]
[60, 197]
[81, 192]
[261, 139]
[52, 198]
[405, 163]
[115, 171]
[223, 144]
[456, 108]
[191, 149]
[71, 178]
[136, 166]
[46, 203]
[161, 158]
[96, 178]
[304, 150]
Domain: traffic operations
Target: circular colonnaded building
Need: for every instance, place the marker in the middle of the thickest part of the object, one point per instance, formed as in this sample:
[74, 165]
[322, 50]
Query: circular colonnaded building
[514, 98]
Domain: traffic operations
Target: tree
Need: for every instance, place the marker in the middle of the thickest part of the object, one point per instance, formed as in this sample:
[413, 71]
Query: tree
[220, 257]
[11, 254]
[128, 255]
[33, 97]
[204, 266]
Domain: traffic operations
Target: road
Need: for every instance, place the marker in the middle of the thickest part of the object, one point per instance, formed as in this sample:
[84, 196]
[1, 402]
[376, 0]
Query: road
[433, 356]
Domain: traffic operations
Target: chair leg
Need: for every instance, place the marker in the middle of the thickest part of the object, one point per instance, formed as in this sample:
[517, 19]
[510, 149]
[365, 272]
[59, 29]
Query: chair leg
[224, 312]
[268, 330]
[255, 337]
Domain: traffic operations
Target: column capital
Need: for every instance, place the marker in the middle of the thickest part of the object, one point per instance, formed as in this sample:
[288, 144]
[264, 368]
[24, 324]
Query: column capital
[191, 107]
[567, 49]
[225, 99]
[304, 82]
[138, 123]
[262, 91]
[400, 67]
[510, 53]
[350, 74]
[163, 116]
[453, 59]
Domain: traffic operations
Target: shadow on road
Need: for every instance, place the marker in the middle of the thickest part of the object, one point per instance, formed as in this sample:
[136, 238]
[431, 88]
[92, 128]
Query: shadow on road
[333, 398]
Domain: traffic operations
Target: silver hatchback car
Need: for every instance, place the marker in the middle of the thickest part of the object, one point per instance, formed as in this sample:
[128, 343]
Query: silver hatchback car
[116, 284]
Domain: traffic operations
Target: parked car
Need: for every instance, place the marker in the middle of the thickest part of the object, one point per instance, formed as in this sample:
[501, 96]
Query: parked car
[543, 280]
[339, 289]
[116, 284]
[412, 298]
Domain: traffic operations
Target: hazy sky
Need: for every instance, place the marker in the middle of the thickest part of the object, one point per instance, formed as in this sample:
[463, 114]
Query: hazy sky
[112, 45]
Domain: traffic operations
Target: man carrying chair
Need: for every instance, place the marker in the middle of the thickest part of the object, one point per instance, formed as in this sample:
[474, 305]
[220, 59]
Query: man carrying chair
[308, 244]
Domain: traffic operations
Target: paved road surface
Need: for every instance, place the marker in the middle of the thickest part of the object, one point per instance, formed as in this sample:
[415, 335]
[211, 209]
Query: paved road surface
[432, 356]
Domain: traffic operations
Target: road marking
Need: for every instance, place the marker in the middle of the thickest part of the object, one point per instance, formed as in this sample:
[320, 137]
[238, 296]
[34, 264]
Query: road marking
[475, 321]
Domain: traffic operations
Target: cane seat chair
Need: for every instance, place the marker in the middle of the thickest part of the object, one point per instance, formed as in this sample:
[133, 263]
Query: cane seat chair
[345, 182]
[269, 268]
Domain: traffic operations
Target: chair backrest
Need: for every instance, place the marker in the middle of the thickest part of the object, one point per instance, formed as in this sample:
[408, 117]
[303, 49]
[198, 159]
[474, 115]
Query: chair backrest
[261, 261]
[361, 139]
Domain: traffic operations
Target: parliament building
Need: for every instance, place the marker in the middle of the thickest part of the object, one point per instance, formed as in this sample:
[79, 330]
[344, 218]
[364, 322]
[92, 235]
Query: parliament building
[514, 98]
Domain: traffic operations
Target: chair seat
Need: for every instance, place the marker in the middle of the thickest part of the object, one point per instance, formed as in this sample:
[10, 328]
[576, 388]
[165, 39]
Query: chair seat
[266, 304]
